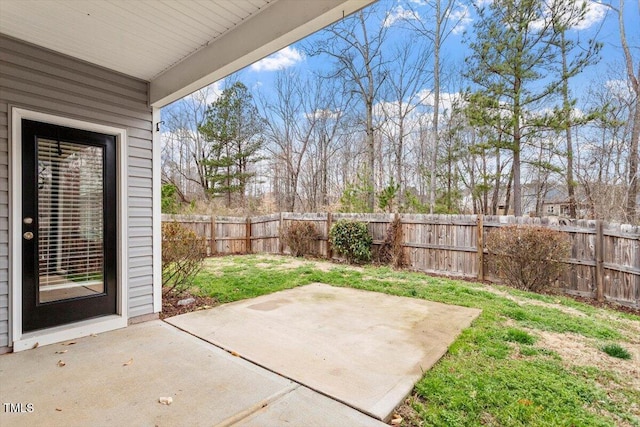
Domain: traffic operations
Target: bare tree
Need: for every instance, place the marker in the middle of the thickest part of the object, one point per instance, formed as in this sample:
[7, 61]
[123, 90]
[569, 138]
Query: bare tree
[407, 75]
[185, 150]
[436, 30]
[355, 44]
[565, 15]
[602, 157]
[634, 80]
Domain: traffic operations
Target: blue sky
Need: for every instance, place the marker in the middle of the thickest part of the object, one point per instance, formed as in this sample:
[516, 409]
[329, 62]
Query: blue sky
[600, 23]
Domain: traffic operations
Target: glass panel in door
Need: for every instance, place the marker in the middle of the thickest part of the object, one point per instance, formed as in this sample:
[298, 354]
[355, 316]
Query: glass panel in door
[70, 220]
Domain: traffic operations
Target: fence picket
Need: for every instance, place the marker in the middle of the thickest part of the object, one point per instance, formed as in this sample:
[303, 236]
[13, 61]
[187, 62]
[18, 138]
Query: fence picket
[604, 260]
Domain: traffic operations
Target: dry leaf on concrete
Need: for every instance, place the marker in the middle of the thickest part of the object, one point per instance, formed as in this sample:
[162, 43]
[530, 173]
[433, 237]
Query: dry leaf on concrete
[165, 400]
[128, 362]
[69, 343]
[61, 352]
[61, 363]
[36, 345]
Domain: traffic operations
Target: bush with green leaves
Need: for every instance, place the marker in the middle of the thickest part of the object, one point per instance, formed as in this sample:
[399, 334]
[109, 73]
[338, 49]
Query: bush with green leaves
[301, 237]
[352, 240]
[169, 199]
[528, 257]
[183, 254]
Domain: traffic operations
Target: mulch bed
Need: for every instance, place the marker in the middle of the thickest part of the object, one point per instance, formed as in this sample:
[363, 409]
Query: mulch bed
[170, 306]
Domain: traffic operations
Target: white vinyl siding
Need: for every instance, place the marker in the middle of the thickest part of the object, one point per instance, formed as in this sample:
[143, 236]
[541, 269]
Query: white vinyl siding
[40, 80]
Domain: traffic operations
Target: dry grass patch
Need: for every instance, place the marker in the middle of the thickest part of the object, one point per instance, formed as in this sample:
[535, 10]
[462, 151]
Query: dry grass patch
[578, 351]
[527, 301]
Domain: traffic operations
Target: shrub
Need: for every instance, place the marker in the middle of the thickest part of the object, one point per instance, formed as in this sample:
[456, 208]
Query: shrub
[183, 253]
[301, 237]
[528, 257]
[169, 199]
[615, 350]
[352, 240]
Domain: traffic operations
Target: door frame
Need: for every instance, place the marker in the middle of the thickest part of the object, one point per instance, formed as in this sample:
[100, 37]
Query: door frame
[23, 341]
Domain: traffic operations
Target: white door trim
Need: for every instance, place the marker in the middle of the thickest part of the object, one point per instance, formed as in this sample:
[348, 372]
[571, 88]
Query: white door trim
[23, 341]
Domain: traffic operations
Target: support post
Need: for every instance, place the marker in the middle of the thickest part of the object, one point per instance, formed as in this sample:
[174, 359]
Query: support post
[213, 236]
[480, 246]
[247, 244]
[599, 261]
[329, 223]
[401, 259]
[280, 231]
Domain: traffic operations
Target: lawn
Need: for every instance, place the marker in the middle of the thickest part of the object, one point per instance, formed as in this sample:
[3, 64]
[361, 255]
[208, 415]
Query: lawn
[528, 360]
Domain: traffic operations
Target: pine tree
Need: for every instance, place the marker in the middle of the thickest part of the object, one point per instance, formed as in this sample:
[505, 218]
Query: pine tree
[509, 64]
[235, 128]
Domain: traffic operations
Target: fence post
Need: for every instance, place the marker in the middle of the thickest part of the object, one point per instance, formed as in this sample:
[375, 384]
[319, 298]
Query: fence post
[329, 221]
[480, 246]
[247, 243]
[213, 235]
[599, 261]
[280, 231]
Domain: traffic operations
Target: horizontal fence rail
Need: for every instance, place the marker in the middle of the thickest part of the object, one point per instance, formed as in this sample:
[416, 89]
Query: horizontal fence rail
[604, 261]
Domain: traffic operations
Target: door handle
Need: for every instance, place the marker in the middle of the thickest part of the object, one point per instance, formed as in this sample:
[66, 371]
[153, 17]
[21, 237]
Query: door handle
[28, 235]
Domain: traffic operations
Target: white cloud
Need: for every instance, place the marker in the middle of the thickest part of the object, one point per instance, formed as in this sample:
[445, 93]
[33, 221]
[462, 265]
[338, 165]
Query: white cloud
[620, 89]
[284, 58]
[399, 13]
[462, 18]
[596, 12]
[447, 99]
[207, 94]
[323, 114]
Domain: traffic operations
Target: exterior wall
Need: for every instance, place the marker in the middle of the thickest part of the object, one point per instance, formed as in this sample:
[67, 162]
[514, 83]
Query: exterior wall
[36, 79]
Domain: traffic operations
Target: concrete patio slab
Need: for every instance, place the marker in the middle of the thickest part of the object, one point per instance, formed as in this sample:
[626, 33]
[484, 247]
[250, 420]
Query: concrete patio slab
[116, 379]
[362, 348]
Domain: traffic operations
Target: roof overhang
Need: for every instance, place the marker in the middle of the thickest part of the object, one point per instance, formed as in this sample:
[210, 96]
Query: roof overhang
[278, 26]
[178, 46]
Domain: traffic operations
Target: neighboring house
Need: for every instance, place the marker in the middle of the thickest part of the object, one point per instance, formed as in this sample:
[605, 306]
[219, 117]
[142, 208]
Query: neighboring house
[81, 87]
[556, 203]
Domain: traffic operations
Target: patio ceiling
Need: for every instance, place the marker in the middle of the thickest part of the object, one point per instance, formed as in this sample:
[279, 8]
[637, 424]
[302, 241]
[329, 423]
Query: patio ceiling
[177, 45]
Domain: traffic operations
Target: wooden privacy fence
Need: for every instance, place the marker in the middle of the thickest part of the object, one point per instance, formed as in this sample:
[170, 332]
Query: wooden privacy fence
[604, 262]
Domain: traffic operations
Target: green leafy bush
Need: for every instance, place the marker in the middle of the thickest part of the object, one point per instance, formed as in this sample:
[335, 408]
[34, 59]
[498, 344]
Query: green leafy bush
[528, 257]
[352, 240]
[615, 350]
[169, 199]
[301, 237]
[183, 253]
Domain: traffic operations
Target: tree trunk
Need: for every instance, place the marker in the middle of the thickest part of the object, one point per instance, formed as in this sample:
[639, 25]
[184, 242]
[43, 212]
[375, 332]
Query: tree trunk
[632, 194]
[436, 108]
[566, 107]
[517, 189]
[632, 208]
[507, 201]
[496, 188]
